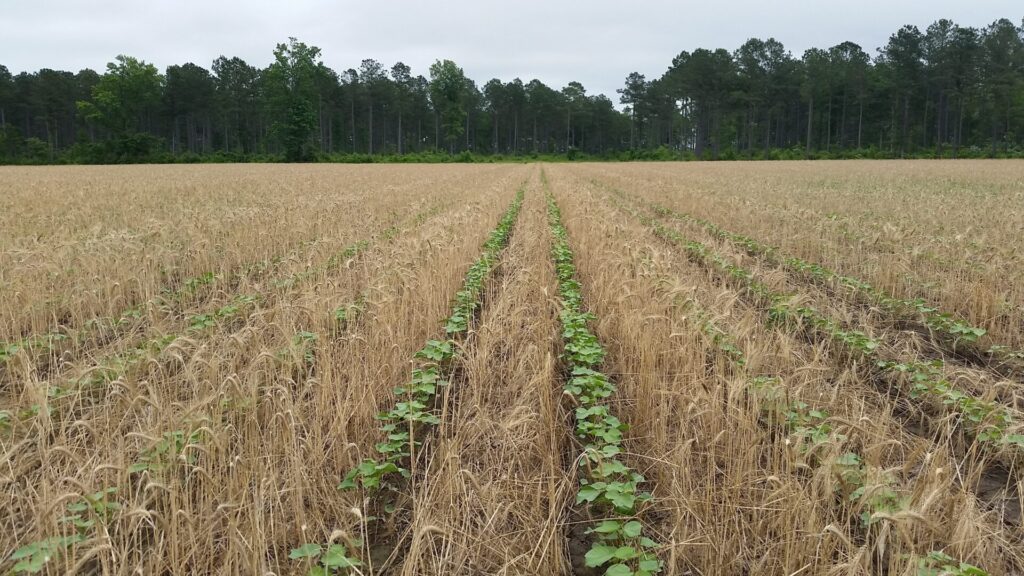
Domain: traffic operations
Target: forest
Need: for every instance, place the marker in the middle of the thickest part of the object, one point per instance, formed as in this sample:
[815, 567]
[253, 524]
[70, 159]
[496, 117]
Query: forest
[946, 91]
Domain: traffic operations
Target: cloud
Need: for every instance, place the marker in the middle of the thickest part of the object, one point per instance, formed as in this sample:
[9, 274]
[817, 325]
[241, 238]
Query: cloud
[596, 43]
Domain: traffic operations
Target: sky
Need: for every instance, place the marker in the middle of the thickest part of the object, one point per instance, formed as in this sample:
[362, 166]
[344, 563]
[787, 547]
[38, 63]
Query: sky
[596, 42]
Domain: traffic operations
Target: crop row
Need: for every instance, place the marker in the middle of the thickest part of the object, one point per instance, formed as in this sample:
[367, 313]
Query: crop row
[991, 423]
[45, 343]
[607, 484]
[115, 366]
[860, 487]
[172, 449]
[416, 412]
[954, 330]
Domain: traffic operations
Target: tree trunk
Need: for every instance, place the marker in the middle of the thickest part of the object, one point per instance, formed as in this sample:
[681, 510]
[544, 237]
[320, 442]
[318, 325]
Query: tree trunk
[716, 120]
[370, 126]
[995, 127]
[959, 126]
[828, 124]
[320, 120]
[1006, 127]
[701, 127]
[633, 123]
[399, 132]
[860, 122]
[515, 138]
[810, 121]
[352, 125]
[924, 121]
[842, 124]
[175, 136]
[906, 126]
[568, 128]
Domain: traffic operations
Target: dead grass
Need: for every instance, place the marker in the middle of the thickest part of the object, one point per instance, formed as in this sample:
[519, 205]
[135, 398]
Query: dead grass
[246, 426]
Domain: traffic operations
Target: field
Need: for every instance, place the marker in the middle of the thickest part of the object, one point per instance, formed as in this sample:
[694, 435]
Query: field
[623, 369]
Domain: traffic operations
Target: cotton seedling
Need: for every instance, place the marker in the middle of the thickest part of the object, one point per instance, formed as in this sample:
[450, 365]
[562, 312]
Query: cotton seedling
[606, 484]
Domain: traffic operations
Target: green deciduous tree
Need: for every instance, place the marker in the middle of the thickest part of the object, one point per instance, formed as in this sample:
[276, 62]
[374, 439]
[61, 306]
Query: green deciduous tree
[126, 97]
[447, 93]
[291, 86]
[125, 102]
[950, 88]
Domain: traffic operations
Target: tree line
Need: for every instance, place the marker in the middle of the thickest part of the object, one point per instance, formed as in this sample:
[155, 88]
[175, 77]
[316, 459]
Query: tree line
[946, 91]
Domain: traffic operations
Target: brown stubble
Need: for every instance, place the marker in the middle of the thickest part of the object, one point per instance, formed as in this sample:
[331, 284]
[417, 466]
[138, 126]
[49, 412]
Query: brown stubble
[492, 497]
[945, 231]
[722, 502]
[494, 491]
[811, 374]
[278, 436]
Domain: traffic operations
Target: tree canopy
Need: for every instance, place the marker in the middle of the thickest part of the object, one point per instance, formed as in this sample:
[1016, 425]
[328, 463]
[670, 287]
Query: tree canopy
[945, 91]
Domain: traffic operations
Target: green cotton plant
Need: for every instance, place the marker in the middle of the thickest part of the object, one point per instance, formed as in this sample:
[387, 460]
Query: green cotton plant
[406, 418]
[607, 484]
[721, 340]
[345, 315]
[872, 490]
[302, 345]
[987, 421]
[82, 515]
[589, 386]
[33, 558]
[467, 300]
[810, 426]
[113, 367]
[769, 393]
[1005, 352]
[581, 346]
[193, 284]
[166, 451]
[414, 412]
[326, 560]
[938, 563]
[349, 252]
[941, 322]
[46, 342]
[332, 262]
[306, 342]
[39, 342]
[201, 322]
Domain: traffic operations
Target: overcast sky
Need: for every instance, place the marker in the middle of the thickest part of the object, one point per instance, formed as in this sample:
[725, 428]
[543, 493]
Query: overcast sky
[596, 42]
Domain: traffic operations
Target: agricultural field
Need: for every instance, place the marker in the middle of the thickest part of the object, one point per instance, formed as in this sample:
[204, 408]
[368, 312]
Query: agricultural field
[781, 368]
